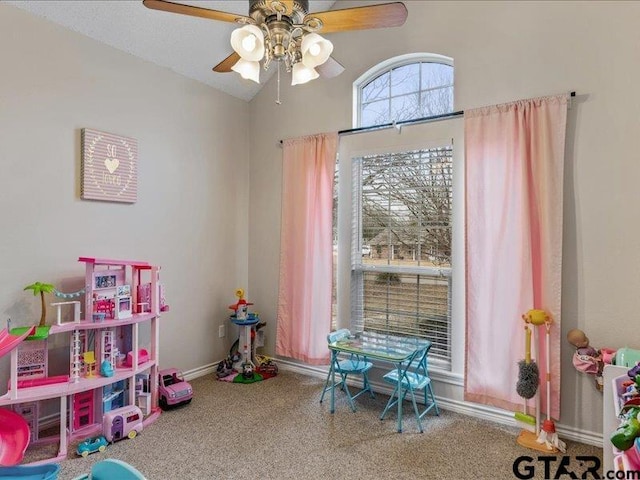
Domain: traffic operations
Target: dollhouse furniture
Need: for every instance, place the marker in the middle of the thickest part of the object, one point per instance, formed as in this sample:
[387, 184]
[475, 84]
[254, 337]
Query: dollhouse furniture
[89, 360]
[105, 306]
[76, 311]
[84, 401]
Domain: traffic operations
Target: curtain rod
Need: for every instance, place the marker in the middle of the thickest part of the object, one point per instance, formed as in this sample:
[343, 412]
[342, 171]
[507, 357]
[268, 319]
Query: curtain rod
[398, 125]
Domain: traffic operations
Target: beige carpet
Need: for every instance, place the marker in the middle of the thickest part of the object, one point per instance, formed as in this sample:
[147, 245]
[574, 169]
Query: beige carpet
[276, 429]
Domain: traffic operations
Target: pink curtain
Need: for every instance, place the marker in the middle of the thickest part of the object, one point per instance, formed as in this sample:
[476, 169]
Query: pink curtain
[514, 156]
[306, 265]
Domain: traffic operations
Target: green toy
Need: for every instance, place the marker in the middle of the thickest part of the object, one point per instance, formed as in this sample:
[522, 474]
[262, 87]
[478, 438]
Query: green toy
[624, 436]
[41, 288]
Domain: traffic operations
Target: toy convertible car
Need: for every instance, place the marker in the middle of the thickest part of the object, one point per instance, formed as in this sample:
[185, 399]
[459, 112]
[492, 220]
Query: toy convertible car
[92, 445]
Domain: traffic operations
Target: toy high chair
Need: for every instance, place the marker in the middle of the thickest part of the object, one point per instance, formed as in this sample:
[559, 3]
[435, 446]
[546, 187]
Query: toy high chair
[89, 360]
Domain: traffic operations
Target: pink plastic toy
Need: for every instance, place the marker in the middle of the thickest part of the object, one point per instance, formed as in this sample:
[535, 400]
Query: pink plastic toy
[14, 437]
[9, 341]
[122, 422]
[143, 357]
[85, 408]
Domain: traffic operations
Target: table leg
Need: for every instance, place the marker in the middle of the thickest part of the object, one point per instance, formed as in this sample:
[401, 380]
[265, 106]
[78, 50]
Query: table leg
[332, 374]
[399, 397]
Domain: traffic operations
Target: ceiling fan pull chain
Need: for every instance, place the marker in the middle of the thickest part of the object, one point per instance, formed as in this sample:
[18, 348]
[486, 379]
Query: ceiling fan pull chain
[278, 102]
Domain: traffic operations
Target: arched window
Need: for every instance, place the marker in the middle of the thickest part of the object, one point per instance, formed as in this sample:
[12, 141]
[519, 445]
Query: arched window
[398, 210]
[406, 87]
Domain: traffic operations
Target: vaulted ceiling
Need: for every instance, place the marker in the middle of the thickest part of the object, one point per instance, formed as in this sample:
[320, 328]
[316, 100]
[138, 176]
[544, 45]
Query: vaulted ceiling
[190, 46]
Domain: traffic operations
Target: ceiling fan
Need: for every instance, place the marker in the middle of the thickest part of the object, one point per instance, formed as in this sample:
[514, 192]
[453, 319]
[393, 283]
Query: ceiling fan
[285, 31]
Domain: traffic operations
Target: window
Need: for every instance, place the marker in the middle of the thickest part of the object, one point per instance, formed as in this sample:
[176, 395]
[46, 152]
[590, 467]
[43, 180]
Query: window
[399, 217]
[404, 88]
[402, 206]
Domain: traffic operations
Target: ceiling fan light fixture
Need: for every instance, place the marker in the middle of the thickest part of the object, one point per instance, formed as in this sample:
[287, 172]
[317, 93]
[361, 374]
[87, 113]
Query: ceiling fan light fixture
[247, 69]
[285, 32]
[315, 50]
[300, 73]
[248, 42]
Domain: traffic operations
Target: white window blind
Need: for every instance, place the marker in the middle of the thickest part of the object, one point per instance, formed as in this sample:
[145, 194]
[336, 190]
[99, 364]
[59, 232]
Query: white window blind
[401, 245]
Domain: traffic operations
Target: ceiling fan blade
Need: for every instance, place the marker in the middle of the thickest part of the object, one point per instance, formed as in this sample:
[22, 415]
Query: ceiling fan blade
[331, 68]
[225, 65]
[172, 7]
[361, 18]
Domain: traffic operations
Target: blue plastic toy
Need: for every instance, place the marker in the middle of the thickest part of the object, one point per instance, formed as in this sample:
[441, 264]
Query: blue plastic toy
[47, 471]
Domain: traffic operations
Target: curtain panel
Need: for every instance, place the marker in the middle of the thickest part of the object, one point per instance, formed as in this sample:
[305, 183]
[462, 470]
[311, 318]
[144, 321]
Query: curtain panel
[514, 161]
[306, 248]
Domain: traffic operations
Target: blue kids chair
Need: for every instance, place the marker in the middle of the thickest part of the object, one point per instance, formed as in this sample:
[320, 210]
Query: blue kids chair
[413, 378]
[352, 365]
[112, 469]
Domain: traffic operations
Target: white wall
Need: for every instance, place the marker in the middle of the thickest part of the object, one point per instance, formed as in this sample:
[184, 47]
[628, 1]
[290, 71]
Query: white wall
[192, 211]
[503, 51]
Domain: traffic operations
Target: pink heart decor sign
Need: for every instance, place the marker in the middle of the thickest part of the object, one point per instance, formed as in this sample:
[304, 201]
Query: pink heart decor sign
[109, 167]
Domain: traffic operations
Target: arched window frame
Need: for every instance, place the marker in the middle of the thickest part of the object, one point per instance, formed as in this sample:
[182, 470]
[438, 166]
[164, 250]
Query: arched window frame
[387, 66]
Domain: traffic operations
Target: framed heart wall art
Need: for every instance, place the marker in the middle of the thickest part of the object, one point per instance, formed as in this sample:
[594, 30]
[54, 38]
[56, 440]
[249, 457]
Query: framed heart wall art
[109, 167]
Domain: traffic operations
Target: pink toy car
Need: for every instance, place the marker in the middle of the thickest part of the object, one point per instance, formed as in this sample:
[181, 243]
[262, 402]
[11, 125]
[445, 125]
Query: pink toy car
[172, 388]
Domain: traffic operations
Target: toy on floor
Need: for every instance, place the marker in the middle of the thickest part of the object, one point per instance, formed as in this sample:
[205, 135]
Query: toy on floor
[111, 469]
[543, 437]
[266, 366]
[14, 437]
[47, 471]
[91, 390]
[92, 445]
[120, 423]
[548, 435]
[528, 380]
[173, 390]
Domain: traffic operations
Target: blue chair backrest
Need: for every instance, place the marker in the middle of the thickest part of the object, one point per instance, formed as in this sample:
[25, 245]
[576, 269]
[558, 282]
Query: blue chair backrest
[338, 335]
[418, 362]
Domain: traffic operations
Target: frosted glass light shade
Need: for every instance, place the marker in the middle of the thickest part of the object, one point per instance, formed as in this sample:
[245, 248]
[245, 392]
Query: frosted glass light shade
[247, 69]
[315, 50]
[302, 74]
[248, 42]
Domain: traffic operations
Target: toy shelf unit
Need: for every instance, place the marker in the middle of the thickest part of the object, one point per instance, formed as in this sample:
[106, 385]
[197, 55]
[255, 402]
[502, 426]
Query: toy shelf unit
[106, 359]
[621, 404]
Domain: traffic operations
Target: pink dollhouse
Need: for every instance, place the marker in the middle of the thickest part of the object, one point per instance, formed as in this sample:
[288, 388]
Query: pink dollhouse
[114, 313]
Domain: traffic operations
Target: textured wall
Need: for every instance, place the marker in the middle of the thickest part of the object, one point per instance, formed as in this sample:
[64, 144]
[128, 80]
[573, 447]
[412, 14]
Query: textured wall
[503, 51]
[191, 214]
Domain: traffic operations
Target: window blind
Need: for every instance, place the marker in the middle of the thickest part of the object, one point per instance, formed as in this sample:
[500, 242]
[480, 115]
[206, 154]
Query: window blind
[401, 245]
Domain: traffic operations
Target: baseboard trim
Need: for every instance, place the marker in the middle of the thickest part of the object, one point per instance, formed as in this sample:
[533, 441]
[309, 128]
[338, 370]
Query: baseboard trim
[200, 371]
[484, 412]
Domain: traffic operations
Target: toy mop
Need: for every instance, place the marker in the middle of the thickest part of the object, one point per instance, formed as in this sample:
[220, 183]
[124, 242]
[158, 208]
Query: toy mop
[548, 436]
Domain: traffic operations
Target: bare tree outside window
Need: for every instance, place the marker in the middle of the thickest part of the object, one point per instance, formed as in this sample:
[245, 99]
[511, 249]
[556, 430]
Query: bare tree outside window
[402, 235]
[404, 206]
[407, 92]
